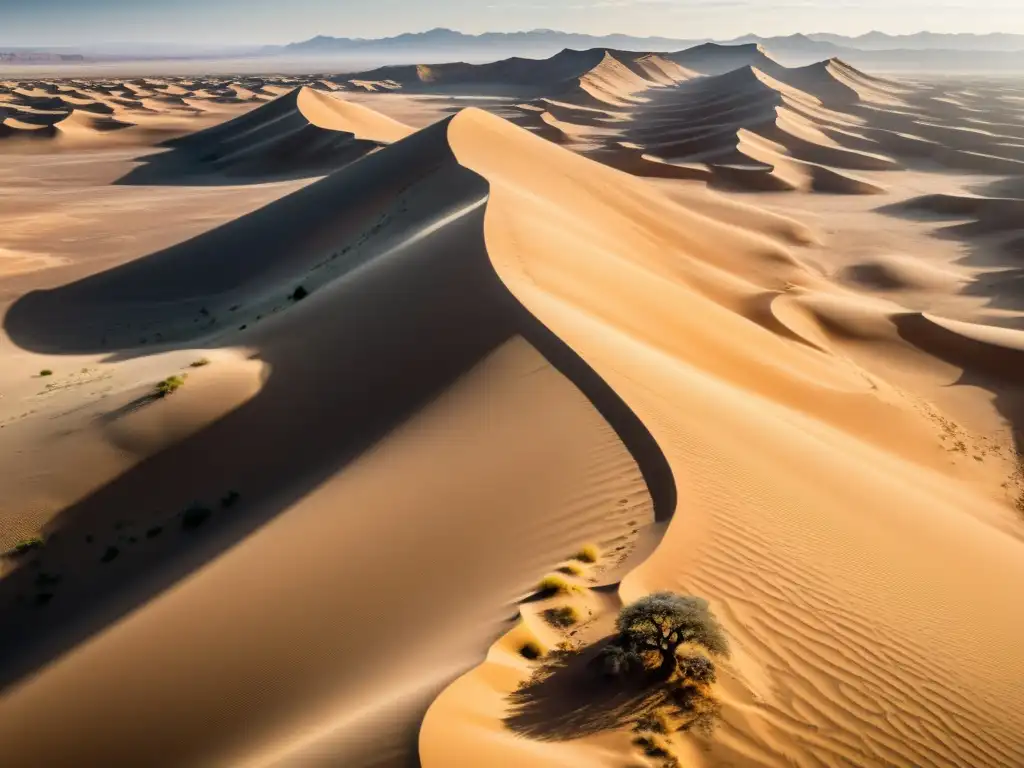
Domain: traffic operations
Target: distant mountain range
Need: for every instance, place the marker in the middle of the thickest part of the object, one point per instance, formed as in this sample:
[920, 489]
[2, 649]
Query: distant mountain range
[924, 51]
[551, 40]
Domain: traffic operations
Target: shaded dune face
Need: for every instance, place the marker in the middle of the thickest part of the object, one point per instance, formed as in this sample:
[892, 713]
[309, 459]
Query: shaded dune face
[382, 459]
[301, 133]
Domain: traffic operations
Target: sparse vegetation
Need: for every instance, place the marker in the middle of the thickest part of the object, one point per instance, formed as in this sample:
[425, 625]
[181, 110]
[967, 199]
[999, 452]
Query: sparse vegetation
[656, 675]
[201, 362]
[562, 617]
[589, 554]
[660, 623]
[570, 570]
[555, 583]
[46, 372]
[229, 499]
[299, 293]
[530, 650]
[170, 385]
[26, 545]
[194, 516]
[111, 554]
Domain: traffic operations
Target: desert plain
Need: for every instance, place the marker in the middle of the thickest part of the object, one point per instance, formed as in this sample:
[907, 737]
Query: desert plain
[340, 414]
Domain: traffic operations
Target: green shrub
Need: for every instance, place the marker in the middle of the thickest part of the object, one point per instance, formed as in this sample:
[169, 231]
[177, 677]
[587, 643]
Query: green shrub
[170, 385]
[562, 617]
[27, 545]
[46, 372]
[199, 363]
[555, 583]
[570, 570]
[589, 554]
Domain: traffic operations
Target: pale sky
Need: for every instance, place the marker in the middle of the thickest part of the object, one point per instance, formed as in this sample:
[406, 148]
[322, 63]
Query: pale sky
[80, 22]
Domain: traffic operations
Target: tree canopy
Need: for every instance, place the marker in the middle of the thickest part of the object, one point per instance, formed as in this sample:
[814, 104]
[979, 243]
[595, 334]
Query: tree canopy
[663, 621]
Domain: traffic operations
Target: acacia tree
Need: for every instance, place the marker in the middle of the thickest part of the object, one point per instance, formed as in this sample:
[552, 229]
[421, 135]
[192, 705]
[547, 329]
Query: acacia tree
[662, 622]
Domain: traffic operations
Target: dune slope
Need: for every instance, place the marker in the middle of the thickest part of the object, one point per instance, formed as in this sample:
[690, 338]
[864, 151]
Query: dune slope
[828, 586]
[302, 132]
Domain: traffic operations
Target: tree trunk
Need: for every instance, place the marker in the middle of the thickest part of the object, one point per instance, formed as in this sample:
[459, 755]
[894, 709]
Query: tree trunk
[668, 662]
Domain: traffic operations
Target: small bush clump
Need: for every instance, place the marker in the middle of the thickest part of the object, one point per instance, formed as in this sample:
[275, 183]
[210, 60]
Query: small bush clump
[299, 293]
[562, 617]
[169, 385]
[27, 545]
[199, 363]
[555, 583]
[589, 554]
[46, 372]
[111, 554]
[570, 570]
[155, 531]
[194, 516]
[230, 499]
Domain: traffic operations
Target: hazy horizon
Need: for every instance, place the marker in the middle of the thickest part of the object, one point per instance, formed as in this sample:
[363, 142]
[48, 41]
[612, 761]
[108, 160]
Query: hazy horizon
[84, 23]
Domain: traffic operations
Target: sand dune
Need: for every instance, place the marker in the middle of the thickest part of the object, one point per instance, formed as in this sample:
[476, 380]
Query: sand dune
[419, 384]
[712, 547]
[302, 132]
[593, 78]
[716, 59]
[731, 115]
[145, 102]
[898, 273]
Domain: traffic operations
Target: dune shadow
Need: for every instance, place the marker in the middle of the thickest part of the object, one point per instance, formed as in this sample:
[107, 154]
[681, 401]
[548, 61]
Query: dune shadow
[179, 166]
[567, 698]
